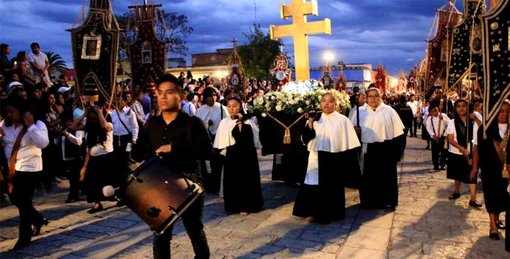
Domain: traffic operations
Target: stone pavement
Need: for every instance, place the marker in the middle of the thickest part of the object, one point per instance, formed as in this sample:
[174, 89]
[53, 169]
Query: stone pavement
[424, 225]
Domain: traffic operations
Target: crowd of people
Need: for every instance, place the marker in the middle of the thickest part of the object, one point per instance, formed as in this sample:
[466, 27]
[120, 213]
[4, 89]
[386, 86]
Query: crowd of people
[203, 128]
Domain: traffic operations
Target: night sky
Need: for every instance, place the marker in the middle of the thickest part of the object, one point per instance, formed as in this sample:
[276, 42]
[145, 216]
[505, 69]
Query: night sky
[391, 32]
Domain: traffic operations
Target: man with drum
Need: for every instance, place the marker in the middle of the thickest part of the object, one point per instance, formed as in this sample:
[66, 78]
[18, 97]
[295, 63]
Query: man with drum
[181, 141]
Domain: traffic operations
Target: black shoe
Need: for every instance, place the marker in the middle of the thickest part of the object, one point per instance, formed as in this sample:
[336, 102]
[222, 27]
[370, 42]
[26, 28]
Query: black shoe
[474, 204]
[494, 235]
[71, 200]
[37, 226]
[95, 209]
[436, 168]
[443, 168]
[500, 225]
[427, 147]
[21, 244]
[454, 196]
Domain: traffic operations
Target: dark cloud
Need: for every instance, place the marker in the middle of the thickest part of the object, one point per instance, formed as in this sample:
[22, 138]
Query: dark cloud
[390, 32]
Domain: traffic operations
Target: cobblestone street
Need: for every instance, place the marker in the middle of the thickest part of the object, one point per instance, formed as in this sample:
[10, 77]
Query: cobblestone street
[425, 224]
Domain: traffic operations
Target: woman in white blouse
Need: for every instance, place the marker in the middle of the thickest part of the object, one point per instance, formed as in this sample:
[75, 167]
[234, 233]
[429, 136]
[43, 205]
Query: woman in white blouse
[23, 139]
[98, 164]
[460, 135]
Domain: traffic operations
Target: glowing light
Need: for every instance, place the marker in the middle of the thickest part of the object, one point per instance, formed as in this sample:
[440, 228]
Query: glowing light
[328, 56]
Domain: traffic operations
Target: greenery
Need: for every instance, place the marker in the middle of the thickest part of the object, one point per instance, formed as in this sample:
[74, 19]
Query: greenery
[259, 54]
[56, 62]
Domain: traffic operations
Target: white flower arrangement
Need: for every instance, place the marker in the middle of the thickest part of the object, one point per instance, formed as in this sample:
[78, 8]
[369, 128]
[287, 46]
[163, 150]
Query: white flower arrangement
[298, 98]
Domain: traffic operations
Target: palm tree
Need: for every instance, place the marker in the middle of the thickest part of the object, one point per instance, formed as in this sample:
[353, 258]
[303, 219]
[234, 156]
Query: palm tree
[56, 62]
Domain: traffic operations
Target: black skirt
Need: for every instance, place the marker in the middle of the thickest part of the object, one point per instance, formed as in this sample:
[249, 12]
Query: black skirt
[458, 169]
[99, 174]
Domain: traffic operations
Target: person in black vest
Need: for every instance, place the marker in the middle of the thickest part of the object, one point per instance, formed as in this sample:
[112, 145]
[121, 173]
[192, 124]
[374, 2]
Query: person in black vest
[125, 134]
[436, 125]
[182, 141]
[69, 143]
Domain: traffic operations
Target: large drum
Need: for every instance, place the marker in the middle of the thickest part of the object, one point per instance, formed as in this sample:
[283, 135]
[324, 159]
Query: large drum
[158, 195]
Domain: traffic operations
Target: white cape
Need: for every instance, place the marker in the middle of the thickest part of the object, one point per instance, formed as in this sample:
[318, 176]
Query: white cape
[224, 136]
[333, 133]
[379, 125]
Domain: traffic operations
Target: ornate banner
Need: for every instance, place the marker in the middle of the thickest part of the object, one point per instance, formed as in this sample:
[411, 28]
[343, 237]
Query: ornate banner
[148, 51]
[236, 77]
[437, 49]
[496, 33]
[466, 49]
[95, 48]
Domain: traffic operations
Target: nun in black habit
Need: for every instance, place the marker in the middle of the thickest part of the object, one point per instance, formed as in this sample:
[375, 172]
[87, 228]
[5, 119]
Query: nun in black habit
[331, 141]
[241, 174]
[381, 133]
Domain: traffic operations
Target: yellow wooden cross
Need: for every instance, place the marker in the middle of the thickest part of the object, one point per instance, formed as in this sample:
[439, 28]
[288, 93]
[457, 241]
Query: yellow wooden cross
[300, 29]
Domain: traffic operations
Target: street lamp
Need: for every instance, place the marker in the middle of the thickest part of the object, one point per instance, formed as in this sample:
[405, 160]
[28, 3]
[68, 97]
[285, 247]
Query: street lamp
[328, 57]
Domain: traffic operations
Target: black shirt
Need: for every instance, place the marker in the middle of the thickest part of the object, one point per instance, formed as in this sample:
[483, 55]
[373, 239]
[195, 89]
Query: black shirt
[190, 143]
[406, 115]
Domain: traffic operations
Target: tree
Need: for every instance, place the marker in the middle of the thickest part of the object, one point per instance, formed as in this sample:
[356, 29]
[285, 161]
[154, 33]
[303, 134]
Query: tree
[259, 54]
[172, 28]
[56, 62]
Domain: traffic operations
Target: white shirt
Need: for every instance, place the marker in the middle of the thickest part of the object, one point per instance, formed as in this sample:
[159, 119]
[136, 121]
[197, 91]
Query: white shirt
[105, 147]
[451, 131]
[502, 131]
[212, 113]
[129, 118]
[432, 125]
[39, 61]
[379, 125]
[29, 157]
[76, 139]
[189, 108]
[414, 107]
[425, 112]
[137, 108]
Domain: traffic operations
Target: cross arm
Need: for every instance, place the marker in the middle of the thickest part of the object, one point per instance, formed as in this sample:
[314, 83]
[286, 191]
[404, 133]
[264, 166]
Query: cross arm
[299, 7]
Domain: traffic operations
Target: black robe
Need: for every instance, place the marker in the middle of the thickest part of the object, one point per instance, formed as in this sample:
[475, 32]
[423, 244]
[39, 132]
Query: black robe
[325, 202]
[494, 185]
[379, 182]
[242, 190]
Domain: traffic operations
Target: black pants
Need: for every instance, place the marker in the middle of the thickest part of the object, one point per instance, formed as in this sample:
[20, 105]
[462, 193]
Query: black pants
[71, 169]
[192, 220]
[414, 127]
[121, 159]
[212, 181]
[50, 156]
[403, 142]
[24, 185]
[438, 152]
